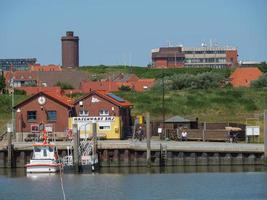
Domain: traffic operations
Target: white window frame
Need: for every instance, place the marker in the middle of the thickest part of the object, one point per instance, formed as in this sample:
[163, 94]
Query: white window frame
[104, 112]
[84, 113]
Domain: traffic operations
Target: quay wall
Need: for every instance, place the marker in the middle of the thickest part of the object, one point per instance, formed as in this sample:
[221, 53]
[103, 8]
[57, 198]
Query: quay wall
[133, 154]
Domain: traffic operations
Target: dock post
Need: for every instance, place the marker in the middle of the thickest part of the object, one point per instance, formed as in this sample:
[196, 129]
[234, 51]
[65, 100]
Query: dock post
[10, 129]
[94, 141]
[204, 131]
[265, 137]
[148, 142]
[76, 147]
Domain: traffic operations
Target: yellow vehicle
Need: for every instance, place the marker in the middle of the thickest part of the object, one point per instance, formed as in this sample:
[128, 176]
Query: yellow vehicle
[108, 127]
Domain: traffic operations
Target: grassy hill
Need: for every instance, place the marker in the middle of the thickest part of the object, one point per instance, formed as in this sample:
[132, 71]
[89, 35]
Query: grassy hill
[5, 107]
[212, 105]
[144, 72]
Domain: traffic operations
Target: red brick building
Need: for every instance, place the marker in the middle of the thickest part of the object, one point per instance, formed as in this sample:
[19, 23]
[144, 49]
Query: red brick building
[53, 110]
[45, 108]
[101, 103]
[205, 56]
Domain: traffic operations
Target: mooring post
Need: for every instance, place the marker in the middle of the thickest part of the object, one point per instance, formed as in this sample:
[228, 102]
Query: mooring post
[265, 137]
[76, 145]
[94, 141]
[10, 129]
[148, 142]
[204, 131]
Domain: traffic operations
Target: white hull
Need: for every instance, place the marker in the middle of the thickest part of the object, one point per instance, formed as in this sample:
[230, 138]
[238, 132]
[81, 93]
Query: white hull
[42, 169]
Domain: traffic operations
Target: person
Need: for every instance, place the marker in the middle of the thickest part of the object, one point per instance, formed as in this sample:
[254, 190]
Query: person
[184, 135]
[140, 133]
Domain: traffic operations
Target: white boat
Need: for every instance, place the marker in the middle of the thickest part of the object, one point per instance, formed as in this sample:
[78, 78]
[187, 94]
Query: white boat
[88, 159]
[44, 159]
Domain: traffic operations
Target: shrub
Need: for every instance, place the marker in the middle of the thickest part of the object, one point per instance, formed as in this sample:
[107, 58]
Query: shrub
[261, 82]
[125, 88]
[2, 83]
[19, 92]
[188, 81]
[64, 86]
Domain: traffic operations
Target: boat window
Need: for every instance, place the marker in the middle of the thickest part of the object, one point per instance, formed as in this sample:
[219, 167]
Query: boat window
[45, 153]
[51, 149]
[37, 149]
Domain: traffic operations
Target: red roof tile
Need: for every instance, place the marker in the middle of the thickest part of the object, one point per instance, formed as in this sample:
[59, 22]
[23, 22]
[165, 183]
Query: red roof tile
[242, 77]
[19, 75]
[104, 95]
[53, 95]
[61, 98]
[138, 86]
[45, 68]
[34, 90]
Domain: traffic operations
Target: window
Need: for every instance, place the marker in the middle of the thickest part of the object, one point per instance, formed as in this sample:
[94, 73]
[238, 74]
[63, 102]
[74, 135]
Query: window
[35, 128]
[52, 115]
[37, 149]
[83, 113]
[103, 112]
[104, 125]
[44, 153]
[31, 115]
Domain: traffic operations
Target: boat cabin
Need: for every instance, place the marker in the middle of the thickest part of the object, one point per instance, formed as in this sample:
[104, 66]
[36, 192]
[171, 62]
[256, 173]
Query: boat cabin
[43, 151]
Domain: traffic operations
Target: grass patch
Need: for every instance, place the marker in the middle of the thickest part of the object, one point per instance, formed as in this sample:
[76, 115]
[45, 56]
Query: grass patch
[145, 72]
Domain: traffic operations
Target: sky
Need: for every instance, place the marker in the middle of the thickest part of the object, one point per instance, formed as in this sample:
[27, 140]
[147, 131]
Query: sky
[119, 32]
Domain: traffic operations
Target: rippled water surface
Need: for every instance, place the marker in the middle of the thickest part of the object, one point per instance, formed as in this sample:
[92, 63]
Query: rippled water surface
[138, 183]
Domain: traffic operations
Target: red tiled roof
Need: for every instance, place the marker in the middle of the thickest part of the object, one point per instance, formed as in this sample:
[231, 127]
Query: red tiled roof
[53, 95]
[34, 90]
[20, 75]
[138, 86]
[87, 86]
[45, 68]
[242, 77]
[61, 98]
[104, 95]
[72, 91]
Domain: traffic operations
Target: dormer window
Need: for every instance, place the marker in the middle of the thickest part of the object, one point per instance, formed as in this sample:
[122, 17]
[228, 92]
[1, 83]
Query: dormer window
[103, 112]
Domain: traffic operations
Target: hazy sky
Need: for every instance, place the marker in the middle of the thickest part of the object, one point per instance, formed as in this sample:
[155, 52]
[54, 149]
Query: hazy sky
[124, 31]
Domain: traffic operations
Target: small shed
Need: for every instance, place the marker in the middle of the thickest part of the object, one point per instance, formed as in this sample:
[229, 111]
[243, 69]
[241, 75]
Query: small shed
[176, 122]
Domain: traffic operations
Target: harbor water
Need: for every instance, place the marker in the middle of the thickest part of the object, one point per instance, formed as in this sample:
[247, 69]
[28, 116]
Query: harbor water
[139, 183]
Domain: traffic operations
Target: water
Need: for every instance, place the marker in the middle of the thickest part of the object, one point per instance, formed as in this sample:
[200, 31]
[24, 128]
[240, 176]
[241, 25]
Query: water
[138, 183]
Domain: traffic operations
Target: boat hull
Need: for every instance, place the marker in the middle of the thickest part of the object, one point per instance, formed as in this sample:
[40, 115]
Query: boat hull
[42, 168]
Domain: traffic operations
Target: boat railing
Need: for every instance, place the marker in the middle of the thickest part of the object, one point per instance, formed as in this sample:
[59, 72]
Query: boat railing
[67, 160]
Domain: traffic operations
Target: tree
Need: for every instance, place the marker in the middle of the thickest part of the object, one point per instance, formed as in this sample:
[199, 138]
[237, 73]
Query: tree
[261, 82]
[64, 86]
[2, 83]
[125, 88]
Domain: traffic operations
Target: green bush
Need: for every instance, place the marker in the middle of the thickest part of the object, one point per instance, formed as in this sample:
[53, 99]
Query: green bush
[2, 83]
[204, 80]
[64, 86]
[125, 88]
[261, 82]
[19, 92]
